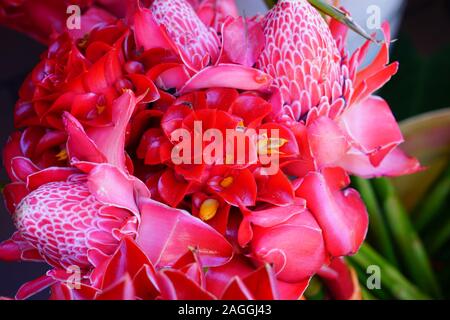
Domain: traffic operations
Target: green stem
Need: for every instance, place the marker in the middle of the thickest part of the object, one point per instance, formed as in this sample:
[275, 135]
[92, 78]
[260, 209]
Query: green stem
[434, 202]
[270, 3]
[367, 295]
[377, 227]
[410, 246]
[391, 278]
[363, 276]
[439, 238]
[341, 16]
[315, 290]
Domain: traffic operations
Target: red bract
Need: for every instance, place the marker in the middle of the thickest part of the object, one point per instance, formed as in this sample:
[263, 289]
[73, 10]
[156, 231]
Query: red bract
[78, 215]
[216, 185]
[26, 16]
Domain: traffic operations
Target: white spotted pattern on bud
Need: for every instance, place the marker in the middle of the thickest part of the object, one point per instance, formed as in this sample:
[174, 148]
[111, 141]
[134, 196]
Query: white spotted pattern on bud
[63, 221]
[303, 58]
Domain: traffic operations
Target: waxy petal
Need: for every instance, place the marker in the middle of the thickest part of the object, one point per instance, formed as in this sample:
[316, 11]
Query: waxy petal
[160, 228]
[229, 76]
[340, 213]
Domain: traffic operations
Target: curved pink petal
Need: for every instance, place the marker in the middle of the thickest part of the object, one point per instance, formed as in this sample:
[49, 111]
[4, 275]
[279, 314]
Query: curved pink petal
[162, 228]
[148, 33]
[23, 167]
[243, 41]
[372, 126]
[218, 278]
[11, 150]
[327, 142]
[396, 163]
[214, 12]
[79, 145]
[123, 290]
[174, 285]
[111, 140]
[295, 248]
[128, 259]
[344, 285]
[112, 187]
[340, 213]
[258, 285]
[35, 286]
[52, 174]
[228, 76]
[13, 193]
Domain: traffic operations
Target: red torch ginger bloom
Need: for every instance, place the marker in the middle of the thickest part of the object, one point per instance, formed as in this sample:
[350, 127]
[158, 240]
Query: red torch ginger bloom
[219, 181]
[26, 16]
[129, 274]
[175, 27]
[128, 164]
[78, 215]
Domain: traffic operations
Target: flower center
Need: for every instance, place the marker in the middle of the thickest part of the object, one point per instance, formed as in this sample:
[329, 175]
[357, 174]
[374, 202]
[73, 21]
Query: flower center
[228, 181]
[208, 209]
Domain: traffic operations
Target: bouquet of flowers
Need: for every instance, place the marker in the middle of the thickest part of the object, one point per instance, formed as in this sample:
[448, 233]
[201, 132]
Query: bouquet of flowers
[172, 149]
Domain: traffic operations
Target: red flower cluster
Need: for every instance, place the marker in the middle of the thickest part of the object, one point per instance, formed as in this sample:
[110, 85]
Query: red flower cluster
[96, 191]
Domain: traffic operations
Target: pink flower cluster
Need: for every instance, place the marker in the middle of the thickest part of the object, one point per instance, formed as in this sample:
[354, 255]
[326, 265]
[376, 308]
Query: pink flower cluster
[95, 192]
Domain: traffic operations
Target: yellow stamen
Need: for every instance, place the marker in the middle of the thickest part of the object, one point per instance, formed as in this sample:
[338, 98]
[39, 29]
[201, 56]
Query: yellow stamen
[62, 155]
[268, 146]
[100, 109]
[228, 181]
[208, 209]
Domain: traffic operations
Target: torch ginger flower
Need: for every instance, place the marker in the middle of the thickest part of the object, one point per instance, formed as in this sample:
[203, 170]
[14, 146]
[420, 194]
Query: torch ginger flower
[79, 215]
[95, 183]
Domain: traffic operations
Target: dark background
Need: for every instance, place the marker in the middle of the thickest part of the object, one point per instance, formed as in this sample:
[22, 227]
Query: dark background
[423, 84]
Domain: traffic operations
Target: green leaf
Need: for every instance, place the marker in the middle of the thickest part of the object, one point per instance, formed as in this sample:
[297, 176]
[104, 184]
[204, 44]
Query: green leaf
[411, 249]
[432, 204]
[342, 17]
[427, 137]
[391, 278]
[377, 228]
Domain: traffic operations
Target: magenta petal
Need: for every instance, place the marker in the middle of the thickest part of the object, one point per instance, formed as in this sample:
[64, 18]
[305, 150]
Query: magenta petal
[48, 175]
[35, 286]
[373, 127]
[149, 34]
[23, 167]
[166, 234]
[13, 193]
[327, 141]
[174, 285]
[112, 187]
[79, 145]
[228, 76]
[340, 213]
[111, 140]
[395, 164]
[243, 41]
[295, 248]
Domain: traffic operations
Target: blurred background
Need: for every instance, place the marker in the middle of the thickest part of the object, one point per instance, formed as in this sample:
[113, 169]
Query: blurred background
[422, 87]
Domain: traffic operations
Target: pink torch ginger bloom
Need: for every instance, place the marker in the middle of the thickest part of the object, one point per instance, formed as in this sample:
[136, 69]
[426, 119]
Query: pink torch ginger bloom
[197, 43]
[78, 216]
[302, 57]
